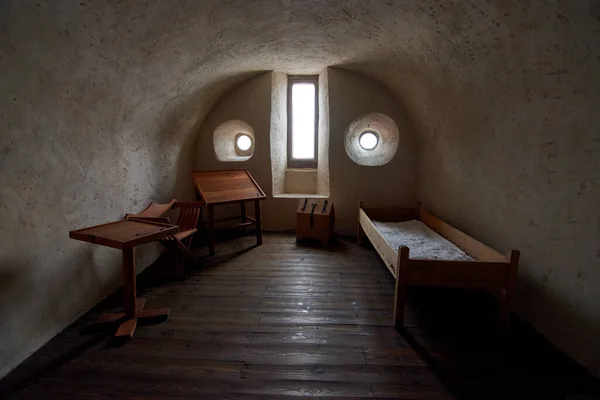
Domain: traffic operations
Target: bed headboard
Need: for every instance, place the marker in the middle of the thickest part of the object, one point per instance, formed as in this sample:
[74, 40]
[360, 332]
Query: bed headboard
[469, 245]
[388, 214]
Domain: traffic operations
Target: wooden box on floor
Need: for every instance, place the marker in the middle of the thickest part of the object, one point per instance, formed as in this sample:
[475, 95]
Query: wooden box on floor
[315, 220]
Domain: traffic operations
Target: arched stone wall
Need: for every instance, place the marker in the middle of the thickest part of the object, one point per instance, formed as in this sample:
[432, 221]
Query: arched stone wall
[101, 104]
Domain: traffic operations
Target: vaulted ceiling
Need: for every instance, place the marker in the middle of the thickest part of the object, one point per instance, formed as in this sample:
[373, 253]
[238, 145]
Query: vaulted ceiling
[142, 62]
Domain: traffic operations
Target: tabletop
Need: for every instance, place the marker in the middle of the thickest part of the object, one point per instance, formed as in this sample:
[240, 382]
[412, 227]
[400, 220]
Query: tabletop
[124, 234]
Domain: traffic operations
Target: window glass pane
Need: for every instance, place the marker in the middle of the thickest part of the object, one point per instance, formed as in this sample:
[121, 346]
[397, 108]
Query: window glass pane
[244, 142]
[368, 140]
[303, 121]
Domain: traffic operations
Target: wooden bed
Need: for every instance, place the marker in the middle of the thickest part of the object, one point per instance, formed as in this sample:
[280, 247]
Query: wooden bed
[487, 269]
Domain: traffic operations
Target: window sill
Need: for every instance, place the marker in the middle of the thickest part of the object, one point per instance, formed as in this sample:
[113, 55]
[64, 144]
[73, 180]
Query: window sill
[300, 196]
[313, 170]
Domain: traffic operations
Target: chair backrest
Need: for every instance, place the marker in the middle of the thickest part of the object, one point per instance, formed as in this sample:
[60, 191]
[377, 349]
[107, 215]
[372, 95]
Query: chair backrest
[154, 210]
[188, 215]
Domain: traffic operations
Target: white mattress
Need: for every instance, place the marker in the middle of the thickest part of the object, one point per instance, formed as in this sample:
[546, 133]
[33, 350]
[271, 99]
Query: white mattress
[423, 242]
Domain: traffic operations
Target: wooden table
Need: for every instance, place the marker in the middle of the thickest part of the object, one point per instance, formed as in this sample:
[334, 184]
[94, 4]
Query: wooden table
[125, 235]
[226, 187]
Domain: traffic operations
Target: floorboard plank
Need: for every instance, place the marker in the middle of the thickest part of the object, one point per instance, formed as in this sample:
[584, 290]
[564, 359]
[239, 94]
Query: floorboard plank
[414, 392]
[126, 384]
[284, 320]
[413, 376]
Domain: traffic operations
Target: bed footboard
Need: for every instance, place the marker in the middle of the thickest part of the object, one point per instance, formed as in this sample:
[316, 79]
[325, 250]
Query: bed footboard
[497, 276]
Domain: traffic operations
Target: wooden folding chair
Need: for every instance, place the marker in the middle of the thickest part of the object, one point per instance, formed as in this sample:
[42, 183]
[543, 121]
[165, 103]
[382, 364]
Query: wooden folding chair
[153, 212]
[177, 243]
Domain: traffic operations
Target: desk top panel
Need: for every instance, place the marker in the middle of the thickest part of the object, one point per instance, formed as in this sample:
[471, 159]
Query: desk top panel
[228, 186]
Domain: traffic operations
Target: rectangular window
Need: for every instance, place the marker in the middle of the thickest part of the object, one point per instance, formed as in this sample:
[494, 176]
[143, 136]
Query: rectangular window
[303, 121]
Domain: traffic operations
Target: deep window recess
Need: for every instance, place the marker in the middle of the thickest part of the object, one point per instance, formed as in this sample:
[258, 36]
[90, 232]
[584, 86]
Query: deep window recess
[234, 141]
[368, 140]
[372, 140]
[303, 121]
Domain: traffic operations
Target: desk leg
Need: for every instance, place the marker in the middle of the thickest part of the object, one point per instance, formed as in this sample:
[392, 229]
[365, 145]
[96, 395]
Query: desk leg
[211, 229]
[259, 239]
[200, 224]
[243, 209]
[134, 307]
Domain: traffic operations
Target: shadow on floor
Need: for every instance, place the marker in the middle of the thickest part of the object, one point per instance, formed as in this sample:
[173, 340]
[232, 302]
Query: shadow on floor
[472, 355]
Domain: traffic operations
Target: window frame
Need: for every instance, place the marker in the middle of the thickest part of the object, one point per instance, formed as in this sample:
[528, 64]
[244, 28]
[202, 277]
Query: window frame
[302, 163]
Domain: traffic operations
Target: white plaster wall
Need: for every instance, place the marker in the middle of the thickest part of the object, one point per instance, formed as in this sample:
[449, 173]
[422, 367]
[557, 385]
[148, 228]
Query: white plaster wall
[511, 154]
[298, 181]
[352, 95]
[323, 174]
[277, 129]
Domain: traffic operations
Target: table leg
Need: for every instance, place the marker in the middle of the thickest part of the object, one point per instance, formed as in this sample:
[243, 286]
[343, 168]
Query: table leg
[129, 282]
[211, 229]
[109, 317]
[134, 307]
[127, 329]
[259, 239]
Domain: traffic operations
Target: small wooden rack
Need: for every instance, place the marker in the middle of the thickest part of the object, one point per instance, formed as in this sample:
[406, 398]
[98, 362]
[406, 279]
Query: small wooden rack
[125, 235]
[315, 218]
[227, 187]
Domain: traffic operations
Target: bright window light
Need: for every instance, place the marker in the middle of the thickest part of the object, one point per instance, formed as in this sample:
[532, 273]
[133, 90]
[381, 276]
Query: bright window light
[243, 142]
[368, 140]
[303, 120]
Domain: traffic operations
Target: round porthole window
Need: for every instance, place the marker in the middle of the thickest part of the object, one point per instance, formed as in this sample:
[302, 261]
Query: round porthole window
[243, 142]
[234, 141]
[371, 140]
[368, 140]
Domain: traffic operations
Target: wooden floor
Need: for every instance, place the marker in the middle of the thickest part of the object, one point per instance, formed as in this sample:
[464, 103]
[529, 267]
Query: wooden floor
[285, 320]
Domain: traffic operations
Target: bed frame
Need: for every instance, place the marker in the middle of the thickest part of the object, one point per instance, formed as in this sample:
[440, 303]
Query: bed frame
[489, 270]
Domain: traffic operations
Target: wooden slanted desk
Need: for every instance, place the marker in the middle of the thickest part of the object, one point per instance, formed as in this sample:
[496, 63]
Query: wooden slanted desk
[226, 187]
[125, 235]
